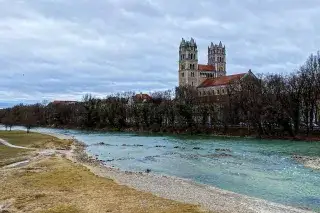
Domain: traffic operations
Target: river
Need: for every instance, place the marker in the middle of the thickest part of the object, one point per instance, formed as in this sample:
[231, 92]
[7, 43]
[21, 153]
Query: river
[258, 168]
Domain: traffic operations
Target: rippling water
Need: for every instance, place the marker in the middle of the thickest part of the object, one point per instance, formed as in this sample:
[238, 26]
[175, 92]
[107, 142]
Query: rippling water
[259, 168]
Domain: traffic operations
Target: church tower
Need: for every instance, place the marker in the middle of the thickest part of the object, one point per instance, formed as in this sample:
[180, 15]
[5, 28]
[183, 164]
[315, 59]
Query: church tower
[188, 63]
[217, 58]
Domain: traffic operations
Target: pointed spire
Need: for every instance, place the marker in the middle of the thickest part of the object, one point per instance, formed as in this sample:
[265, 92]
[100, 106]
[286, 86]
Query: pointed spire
[192, 41]
[220, 44]
[182, 43]
[211, 44]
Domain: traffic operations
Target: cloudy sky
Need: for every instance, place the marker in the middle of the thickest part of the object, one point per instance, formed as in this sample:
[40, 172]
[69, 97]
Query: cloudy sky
[62, 49]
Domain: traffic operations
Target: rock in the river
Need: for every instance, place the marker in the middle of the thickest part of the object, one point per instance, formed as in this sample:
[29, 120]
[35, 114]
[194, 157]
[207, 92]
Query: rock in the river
[196, 148]
[126, 158]
[132, 145]
[217, 155]
[159, 146]
[103, 144]
[223, 150]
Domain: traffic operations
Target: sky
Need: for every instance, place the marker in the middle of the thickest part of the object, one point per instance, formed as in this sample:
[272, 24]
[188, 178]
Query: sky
[63, 49]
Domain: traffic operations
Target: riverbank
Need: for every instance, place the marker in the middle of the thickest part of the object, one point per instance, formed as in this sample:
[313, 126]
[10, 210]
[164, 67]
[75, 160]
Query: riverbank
[182, 190]
[231, 132]
[169, 188]
[51, 180]
[234, 132]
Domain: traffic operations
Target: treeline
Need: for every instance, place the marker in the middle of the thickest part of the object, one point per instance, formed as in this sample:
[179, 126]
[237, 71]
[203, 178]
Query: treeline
[266, 105]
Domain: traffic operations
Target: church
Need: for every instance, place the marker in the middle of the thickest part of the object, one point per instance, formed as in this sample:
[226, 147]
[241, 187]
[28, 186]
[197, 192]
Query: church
[210, 78]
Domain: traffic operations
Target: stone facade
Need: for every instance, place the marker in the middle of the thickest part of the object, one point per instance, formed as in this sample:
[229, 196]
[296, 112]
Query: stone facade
[217, 58]
[191, 73]
[210, 78]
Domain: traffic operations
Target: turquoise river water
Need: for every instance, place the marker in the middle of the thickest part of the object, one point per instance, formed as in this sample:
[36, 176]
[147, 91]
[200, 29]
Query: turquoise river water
[258, 168]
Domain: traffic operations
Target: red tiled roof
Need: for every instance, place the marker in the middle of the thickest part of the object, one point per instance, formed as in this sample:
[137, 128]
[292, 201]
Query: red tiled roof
[223, 80]
[143, 96]
[202, 67]
[64, 102]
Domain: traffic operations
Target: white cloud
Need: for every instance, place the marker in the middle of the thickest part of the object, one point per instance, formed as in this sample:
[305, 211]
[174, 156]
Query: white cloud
[64, 49]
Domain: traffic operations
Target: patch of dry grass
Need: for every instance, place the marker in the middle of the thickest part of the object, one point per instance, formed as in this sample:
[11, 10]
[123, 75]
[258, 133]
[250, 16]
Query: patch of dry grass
[63, 209]
[35, 140]
[10, 155]
[55, 185]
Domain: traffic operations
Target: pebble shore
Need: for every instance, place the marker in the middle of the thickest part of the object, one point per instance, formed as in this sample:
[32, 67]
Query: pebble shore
[310, 162]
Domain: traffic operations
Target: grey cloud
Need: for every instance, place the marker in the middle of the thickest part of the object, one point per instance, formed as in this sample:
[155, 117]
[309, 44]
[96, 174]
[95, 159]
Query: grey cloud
[64, 49]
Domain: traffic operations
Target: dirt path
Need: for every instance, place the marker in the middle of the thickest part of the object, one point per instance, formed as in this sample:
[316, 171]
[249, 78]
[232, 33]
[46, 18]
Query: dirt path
[14, 146]
[41, 153]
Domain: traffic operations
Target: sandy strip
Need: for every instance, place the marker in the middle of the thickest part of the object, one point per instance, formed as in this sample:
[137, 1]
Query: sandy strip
[208, 197]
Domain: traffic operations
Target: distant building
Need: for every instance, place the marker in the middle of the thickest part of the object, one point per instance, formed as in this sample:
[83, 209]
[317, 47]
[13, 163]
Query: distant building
[56, 102]
[210, 78]
[142, 98]
[139, 98]
[218, 86]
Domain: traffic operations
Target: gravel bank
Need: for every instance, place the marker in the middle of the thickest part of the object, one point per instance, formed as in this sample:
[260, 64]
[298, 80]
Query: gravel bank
[208, 197]
[310, 162]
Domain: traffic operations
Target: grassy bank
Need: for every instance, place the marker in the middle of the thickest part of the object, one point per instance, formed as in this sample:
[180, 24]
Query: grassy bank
[34, 140]
[10, 155]
[53, 184]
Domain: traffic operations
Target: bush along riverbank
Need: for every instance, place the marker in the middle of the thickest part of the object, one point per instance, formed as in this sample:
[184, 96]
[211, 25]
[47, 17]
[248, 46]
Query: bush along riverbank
[205, 132]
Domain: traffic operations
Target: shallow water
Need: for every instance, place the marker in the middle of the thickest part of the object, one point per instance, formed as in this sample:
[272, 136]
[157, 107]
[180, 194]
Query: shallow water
[258, 168]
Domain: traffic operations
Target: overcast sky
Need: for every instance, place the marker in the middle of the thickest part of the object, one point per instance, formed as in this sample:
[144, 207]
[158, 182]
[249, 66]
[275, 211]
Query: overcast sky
[62, 49]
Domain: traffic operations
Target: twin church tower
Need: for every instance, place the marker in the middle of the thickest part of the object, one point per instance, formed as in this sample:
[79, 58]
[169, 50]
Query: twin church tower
[191, 73]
